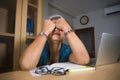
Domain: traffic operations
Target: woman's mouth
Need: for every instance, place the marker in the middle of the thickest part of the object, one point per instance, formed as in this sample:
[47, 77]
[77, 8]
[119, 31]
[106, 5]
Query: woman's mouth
[55, 33]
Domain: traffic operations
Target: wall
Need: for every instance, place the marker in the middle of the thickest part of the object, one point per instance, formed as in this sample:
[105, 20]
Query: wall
[45, 9]
[101, 23]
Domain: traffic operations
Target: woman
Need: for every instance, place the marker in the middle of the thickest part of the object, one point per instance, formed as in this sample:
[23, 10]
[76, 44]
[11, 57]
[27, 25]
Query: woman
[49, 48]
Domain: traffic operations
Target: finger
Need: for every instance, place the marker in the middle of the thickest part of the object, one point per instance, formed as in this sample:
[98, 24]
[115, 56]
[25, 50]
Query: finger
[46, 20]
[52, 26]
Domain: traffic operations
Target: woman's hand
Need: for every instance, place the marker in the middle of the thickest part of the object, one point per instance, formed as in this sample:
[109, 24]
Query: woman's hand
[48, 27]
[62, 24]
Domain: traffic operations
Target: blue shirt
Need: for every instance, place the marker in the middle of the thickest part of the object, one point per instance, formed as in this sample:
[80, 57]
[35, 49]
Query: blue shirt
[65, 52]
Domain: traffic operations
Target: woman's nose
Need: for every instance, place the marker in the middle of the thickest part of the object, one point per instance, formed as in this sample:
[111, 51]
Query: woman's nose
[57, 29]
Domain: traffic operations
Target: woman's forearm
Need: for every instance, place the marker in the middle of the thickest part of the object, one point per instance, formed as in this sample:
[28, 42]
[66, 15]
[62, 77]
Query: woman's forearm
[31, 55]
[80, 54]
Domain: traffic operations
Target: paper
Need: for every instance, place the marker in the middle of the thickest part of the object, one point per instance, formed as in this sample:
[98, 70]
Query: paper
[67, 66]
[71, 67]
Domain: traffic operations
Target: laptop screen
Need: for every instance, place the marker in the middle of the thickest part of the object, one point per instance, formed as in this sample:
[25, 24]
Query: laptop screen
[109, 49]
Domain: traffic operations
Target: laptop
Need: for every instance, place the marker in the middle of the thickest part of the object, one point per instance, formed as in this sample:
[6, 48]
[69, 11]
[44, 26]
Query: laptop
[109, 50]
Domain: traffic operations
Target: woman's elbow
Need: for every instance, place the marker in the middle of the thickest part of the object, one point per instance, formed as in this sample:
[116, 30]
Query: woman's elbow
[84, 61]
[87, 60]
[24, 66]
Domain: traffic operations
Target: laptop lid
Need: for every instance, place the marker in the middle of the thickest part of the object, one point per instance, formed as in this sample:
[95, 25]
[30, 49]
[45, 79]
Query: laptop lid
[109, 49]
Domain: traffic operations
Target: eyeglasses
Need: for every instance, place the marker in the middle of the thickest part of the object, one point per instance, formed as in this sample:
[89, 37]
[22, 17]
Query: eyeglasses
[54, 71]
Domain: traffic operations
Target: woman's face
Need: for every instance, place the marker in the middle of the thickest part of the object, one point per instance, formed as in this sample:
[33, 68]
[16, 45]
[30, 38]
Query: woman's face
[57, 34]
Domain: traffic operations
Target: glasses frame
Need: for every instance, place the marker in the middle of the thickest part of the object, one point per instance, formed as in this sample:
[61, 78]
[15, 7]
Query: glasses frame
[54, 70]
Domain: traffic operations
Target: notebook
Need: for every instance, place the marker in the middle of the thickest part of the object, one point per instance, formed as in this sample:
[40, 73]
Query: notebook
[109, 50]
[71, 67]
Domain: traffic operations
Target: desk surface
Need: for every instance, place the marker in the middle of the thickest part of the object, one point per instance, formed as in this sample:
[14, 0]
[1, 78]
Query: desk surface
[106, 72]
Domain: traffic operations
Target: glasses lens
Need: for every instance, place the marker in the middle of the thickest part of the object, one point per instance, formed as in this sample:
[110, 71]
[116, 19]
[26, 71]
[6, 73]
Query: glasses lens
[58, 71]
[41, 70]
